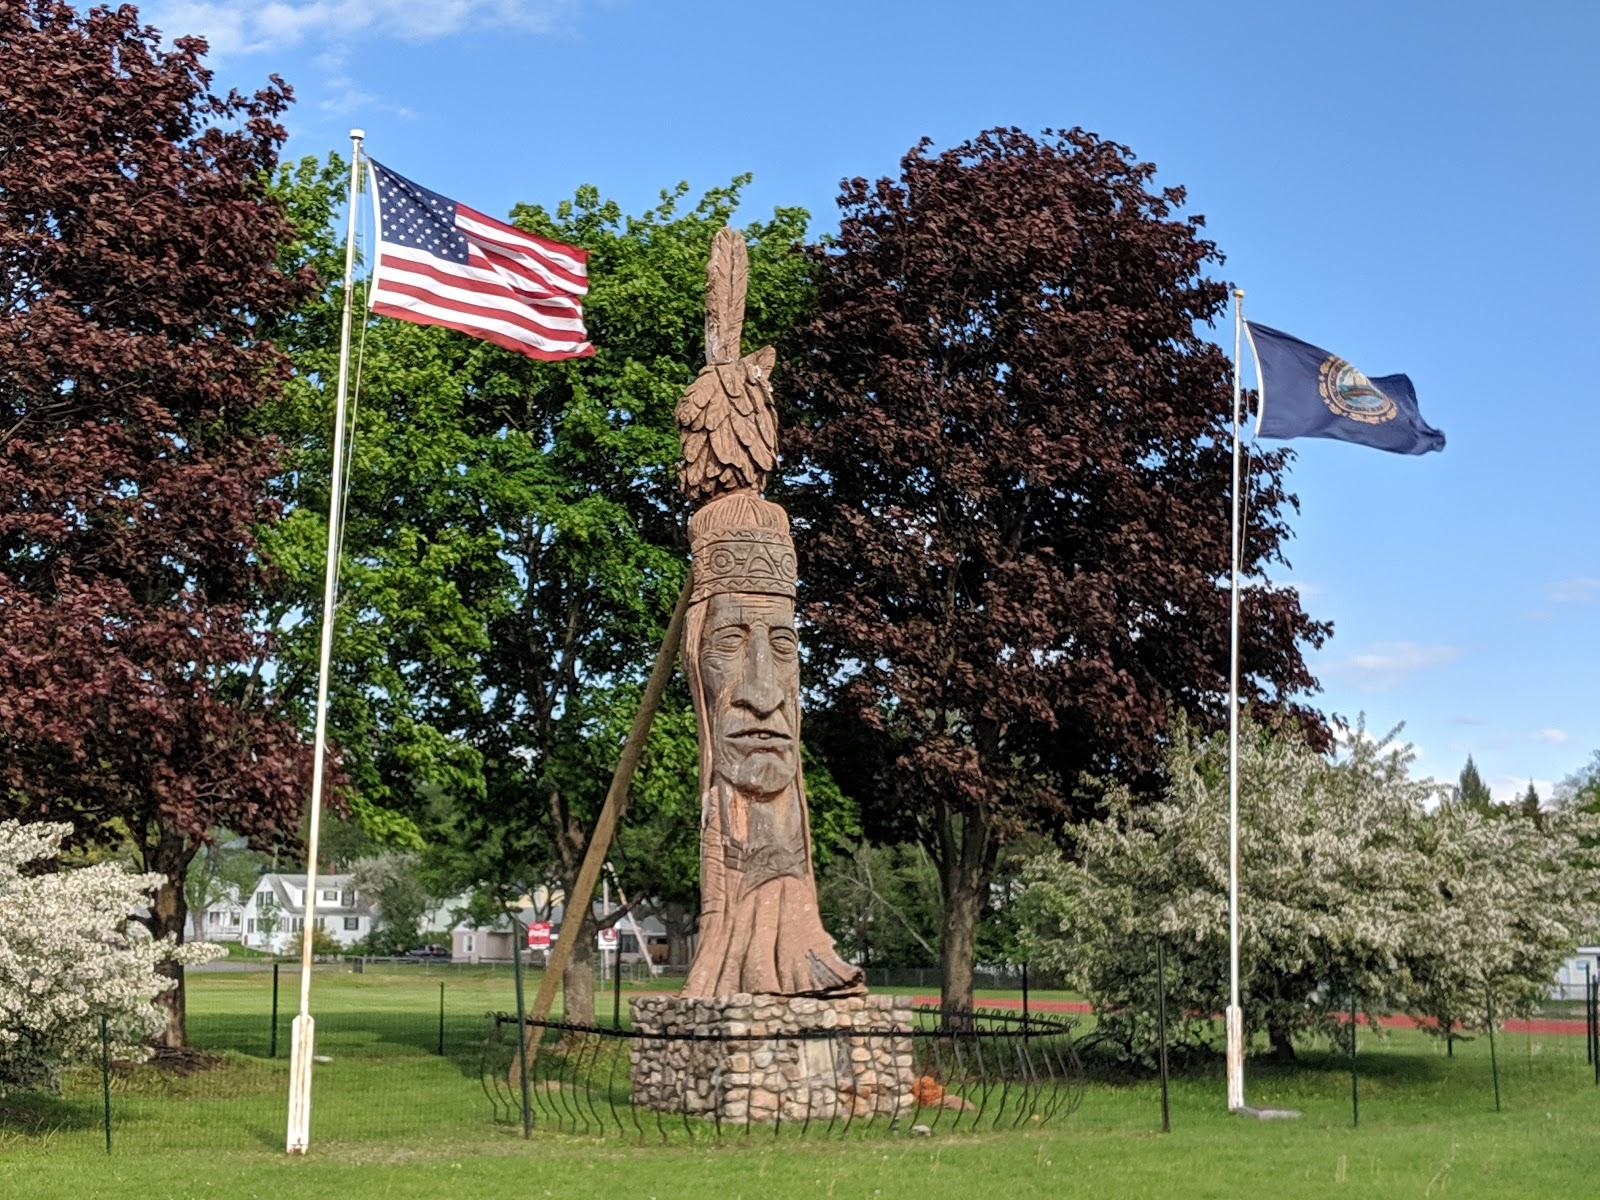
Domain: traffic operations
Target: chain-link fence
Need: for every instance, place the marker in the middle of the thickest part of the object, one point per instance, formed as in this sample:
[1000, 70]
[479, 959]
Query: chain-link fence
[397, 1054]
[401, 1058]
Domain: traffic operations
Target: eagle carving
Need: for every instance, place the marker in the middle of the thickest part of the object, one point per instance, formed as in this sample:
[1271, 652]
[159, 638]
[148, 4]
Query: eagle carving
[727, 421]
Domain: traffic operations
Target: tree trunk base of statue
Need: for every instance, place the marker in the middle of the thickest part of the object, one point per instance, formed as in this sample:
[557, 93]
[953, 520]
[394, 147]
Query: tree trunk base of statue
[748, 1059]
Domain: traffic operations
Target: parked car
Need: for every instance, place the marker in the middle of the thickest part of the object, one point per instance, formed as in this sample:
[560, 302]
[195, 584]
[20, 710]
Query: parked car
[427, 952]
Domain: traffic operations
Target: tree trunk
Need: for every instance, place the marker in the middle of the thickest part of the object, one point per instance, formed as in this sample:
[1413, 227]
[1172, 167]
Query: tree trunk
[197, 925]
[958, 944]
[677, 920]
[577, 981]
[169, 911]
[966, 857]
[1282, 1042]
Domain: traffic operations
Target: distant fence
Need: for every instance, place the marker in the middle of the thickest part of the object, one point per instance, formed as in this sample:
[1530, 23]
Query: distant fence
[398, 1058]
[931, 979]
[404, 1058]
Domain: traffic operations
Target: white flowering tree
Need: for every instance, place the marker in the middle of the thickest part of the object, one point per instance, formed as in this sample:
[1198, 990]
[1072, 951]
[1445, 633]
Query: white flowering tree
[69, 955]
[1327, 854]
[1355, 881]
[1502, 900]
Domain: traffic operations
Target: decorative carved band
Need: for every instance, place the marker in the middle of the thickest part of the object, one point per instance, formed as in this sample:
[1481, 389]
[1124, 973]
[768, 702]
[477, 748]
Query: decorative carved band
[741, 543]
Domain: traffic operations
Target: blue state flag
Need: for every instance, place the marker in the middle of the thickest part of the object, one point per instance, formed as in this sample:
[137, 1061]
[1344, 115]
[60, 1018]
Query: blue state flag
[1307, 392]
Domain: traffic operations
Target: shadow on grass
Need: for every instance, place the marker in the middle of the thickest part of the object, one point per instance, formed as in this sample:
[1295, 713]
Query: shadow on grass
[34, 1114]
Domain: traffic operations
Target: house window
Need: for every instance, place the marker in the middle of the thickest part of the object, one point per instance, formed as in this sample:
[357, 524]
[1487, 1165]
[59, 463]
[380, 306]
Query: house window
[233, 920]
[352, 923]
[330, 894]
[252, 926]
[297, 924]
[322, 922]
[469, 943]
[627, 944]
[263, 899]
[347, 900]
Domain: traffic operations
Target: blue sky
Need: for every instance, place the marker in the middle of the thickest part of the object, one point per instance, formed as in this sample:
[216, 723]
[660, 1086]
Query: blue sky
[1410, 186]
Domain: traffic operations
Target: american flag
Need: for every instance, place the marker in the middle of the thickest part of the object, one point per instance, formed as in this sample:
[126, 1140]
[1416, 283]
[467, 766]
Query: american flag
[442, 263]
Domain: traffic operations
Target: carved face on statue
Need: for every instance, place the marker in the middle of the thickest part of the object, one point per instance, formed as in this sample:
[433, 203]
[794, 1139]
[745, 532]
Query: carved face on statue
[749, 666]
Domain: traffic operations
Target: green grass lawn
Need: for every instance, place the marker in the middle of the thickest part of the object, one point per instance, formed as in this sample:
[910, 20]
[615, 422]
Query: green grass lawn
[393, 1118]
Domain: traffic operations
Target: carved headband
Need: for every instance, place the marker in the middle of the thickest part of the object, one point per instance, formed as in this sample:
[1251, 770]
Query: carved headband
[741, 543]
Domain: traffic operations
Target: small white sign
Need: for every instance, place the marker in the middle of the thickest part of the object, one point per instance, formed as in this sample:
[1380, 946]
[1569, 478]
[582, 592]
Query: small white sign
[607, 939]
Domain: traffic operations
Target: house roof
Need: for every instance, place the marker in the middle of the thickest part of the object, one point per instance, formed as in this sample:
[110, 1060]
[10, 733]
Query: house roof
[341, 883]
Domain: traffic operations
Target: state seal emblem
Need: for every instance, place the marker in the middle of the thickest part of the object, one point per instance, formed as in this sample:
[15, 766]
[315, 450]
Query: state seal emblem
[1349, 393]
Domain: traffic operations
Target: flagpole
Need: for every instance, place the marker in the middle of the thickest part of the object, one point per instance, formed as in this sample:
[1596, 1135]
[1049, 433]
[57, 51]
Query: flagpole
[1235, 1015]
[300, 1055]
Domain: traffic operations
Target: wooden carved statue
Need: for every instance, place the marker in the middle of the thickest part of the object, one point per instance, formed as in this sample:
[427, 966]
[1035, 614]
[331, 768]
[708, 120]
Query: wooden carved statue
[760, 930]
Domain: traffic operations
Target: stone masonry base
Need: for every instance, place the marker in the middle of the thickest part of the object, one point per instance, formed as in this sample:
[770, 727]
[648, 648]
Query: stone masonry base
[760, 1071]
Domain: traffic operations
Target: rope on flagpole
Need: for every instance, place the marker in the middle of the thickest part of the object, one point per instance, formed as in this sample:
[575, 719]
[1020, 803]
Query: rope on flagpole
[300, 1055]
[355, 403]
[1250, 448]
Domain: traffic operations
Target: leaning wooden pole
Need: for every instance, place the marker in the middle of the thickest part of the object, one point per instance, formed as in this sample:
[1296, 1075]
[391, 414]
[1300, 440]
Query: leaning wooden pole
[600, 841]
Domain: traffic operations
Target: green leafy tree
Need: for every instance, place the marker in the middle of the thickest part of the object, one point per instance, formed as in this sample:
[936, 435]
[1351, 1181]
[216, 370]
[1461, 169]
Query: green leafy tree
[883, 904]
[1581, 789]
[224, 869]
[1529, 803]
[392, 883]
[513, 544]
[1471, 790]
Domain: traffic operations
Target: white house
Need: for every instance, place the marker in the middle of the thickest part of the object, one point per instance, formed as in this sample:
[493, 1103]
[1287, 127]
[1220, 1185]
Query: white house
[1574, 974]
[223, 920]
[273, 915]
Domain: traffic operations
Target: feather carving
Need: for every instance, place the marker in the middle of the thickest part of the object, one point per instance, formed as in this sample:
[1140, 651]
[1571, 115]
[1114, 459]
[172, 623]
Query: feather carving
[727, 278]
[726, 418]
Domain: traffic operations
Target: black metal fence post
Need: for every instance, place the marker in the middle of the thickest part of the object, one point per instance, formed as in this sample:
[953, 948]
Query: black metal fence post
[616, 986]
[1024, 989]
[1355, 1093]
[1588, 1018]
[272, 1047]
[517, 935]
[441, 1018]
[105, 1077]
[1594, 1022]
[1161, 1030]
[1494, 1063]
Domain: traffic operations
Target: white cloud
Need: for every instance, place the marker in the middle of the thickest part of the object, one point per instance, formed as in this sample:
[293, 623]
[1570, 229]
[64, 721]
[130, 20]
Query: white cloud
[345, 97]
[1552, 737]
[247, 28]
[1384, 664]
[1508, 789]
[1580, 589]
[1306, 589]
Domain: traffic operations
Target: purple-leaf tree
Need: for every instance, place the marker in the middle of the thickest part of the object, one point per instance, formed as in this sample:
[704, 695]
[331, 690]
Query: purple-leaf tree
[139, 265]
[1010, 464]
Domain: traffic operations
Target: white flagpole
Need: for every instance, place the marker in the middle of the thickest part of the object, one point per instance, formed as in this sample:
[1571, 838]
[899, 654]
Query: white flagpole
[1235, 1015]
[300, 1054]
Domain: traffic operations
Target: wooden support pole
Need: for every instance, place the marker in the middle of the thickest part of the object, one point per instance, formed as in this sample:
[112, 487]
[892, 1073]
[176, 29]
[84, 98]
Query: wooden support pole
[616, 800]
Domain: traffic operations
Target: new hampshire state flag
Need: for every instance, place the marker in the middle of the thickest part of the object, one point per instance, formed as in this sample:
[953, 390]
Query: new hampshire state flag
[1307, 392]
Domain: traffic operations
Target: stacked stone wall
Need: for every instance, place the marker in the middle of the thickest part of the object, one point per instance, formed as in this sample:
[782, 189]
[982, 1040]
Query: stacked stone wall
[744, 1062]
